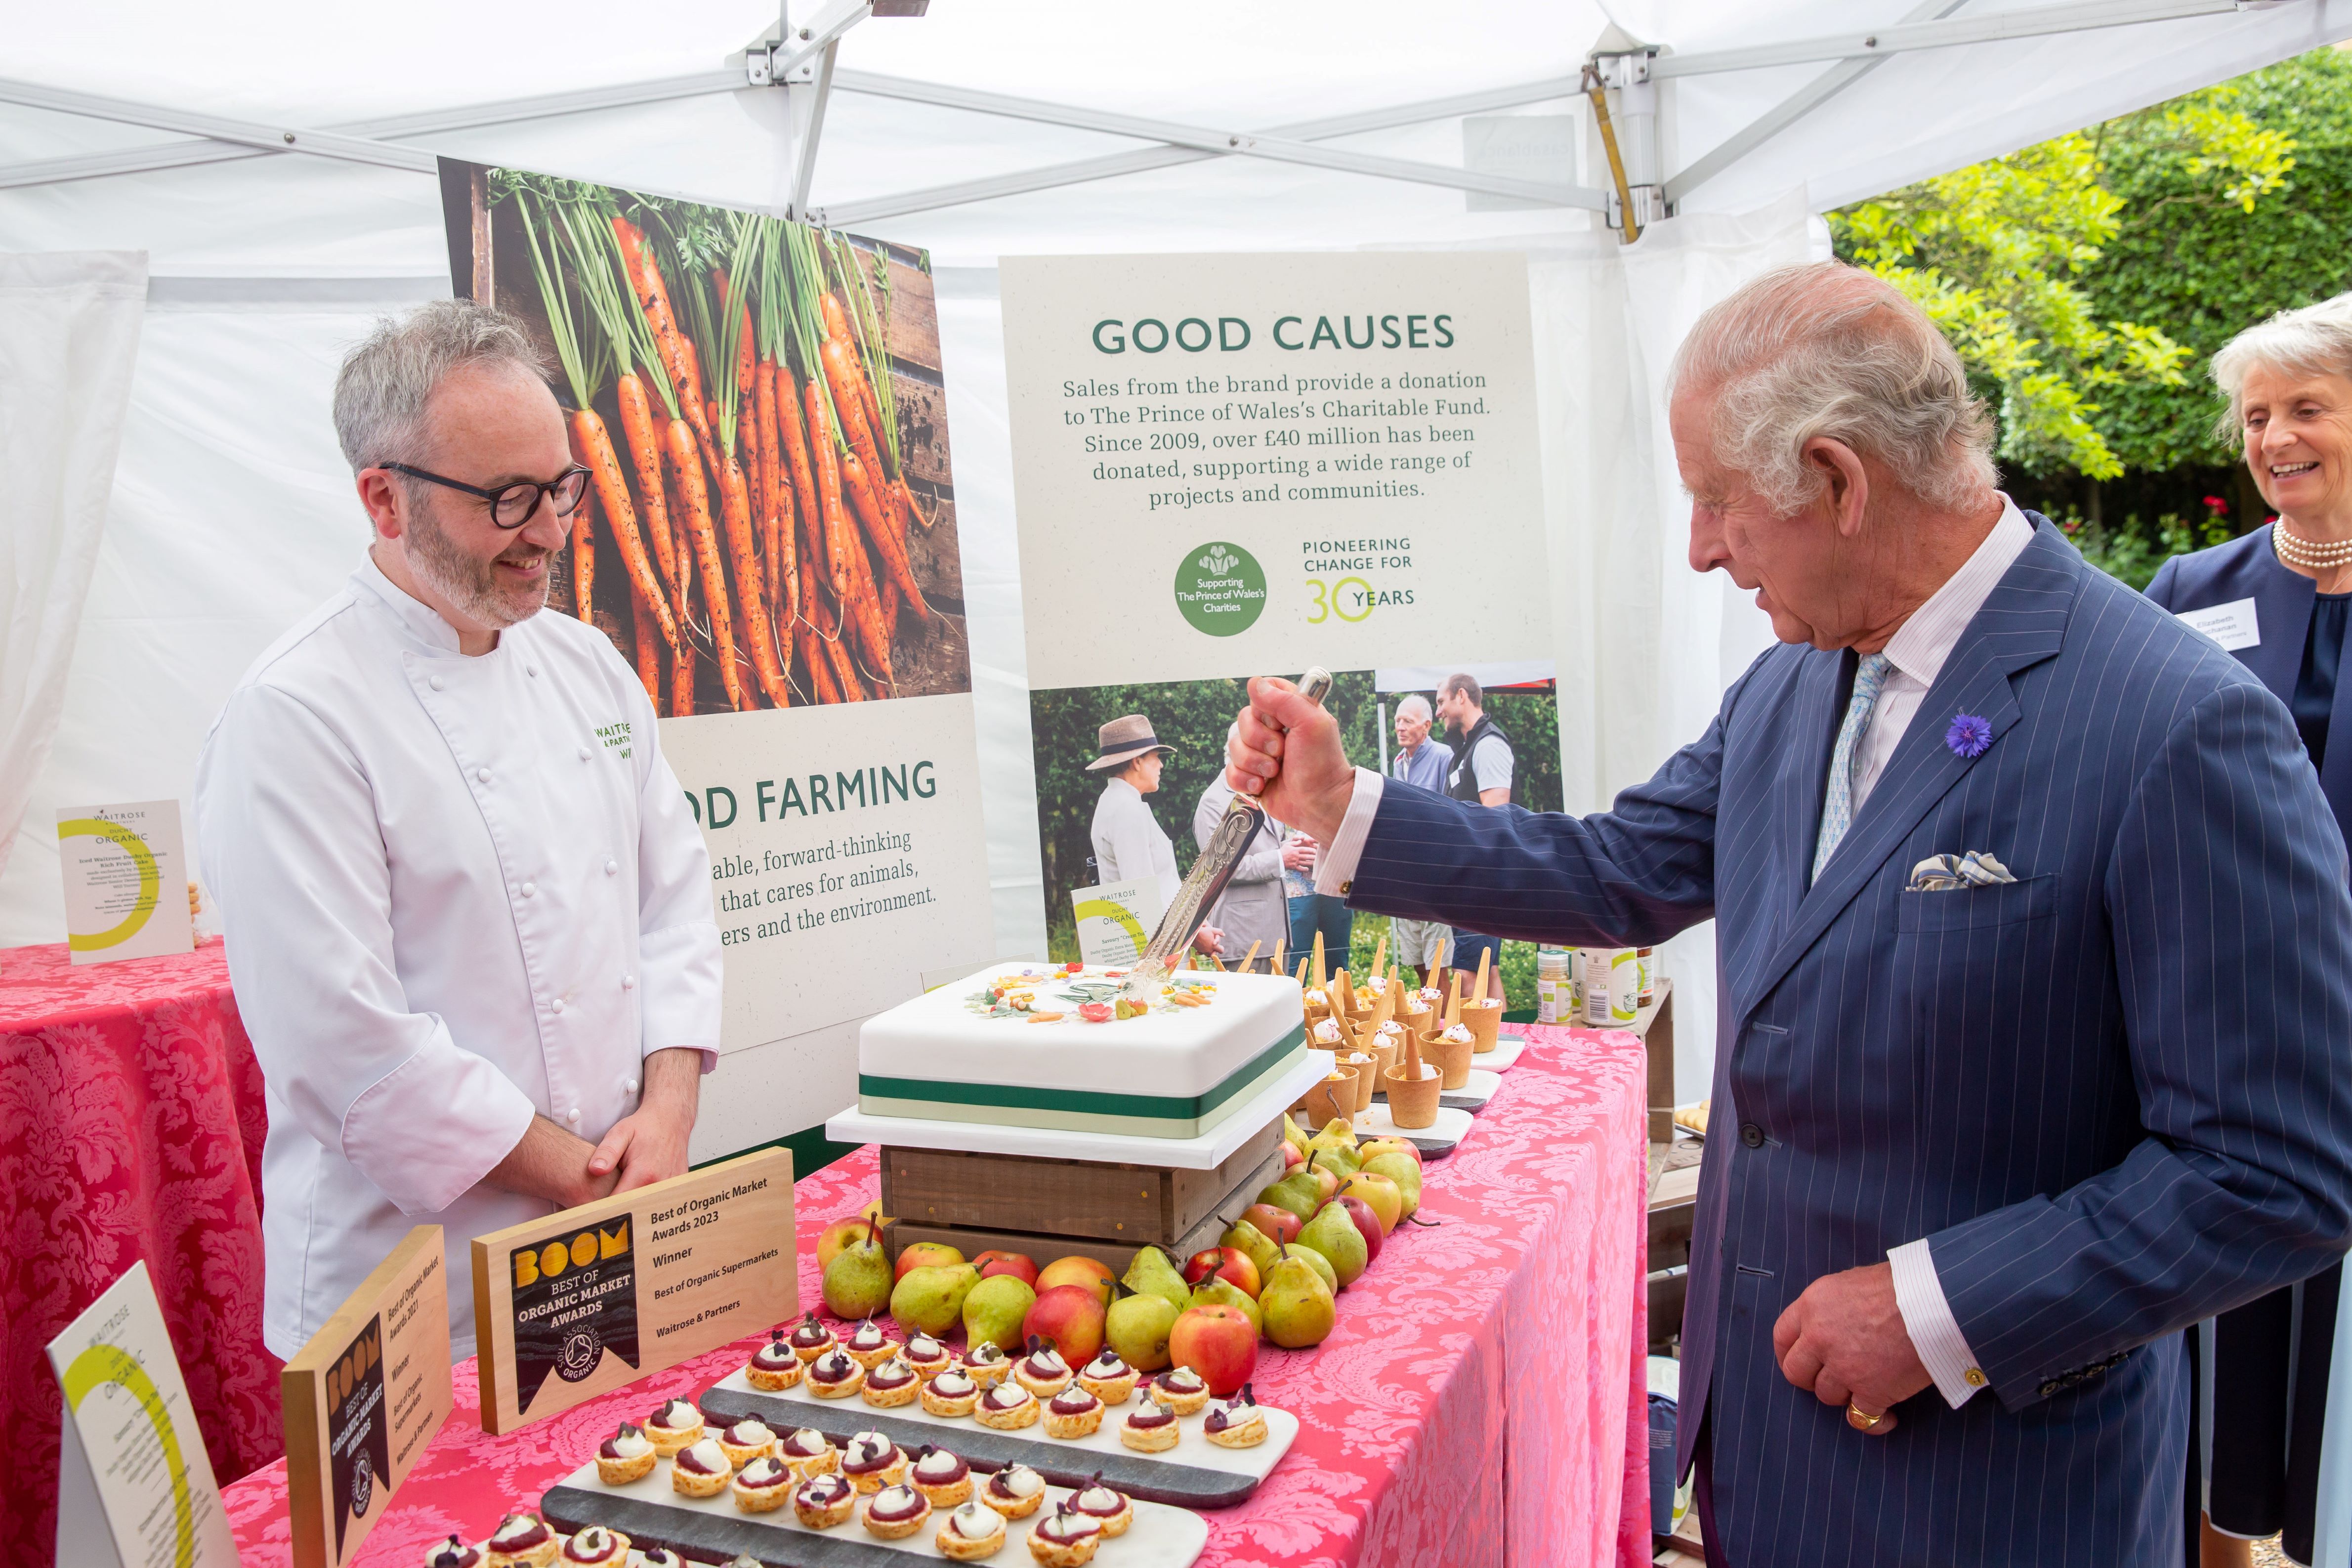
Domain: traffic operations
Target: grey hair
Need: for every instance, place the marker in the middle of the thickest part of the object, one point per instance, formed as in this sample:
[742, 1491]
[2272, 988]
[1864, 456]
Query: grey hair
[385, 381]
[1415, 702]
[2314, 340]
[1828, 349]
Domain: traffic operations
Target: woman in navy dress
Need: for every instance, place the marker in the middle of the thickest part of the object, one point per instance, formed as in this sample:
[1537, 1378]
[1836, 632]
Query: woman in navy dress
[2279, 599]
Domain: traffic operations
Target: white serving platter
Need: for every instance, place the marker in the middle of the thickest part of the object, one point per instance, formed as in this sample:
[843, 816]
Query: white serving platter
[1231, 1473]
[1437, 1140]
[1507, 1051]
[651, 1512]
[1471, 1097]
[1203, 1154]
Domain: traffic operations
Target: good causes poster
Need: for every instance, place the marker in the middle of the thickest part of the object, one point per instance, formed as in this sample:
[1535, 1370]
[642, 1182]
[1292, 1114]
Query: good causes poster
[1227, 466]
[772, 544]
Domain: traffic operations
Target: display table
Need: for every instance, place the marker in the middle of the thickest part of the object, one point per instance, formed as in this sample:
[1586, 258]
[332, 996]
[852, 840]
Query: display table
[131, 1127]
[1481, 1401]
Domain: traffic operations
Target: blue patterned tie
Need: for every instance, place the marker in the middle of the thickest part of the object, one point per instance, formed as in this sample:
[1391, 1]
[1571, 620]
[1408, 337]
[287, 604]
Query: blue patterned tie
[1837, 809]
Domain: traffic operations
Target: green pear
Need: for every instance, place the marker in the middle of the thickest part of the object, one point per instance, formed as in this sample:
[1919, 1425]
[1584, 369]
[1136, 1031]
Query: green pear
[1248, 1238]
[1316, 1262]
[1405, 1170]
[1151, 1273]
[1136, 1328]
[1334, 1154]
[931, 1300]
[1297, 1192]
[857, 1281]
[1293, 1135]
[1219, 1292]
[1334, 1234]
[1339, 1127]
[1297, 1305]
[994, 1309]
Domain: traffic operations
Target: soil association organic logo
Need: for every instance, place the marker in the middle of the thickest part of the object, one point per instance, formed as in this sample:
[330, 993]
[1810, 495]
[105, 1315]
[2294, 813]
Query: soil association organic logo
[1220, 589]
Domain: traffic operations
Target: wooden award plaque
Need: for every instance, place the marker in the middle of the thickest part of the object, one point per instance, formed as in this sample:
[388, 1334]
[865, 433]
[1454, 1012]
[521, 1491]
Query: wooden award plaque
[363, 1398]
[578, 1303]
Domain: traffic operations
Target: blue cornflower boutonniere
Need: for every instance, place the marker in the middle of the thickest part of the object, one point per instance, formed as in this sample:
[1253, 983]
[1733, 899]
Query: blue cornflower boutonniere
[1969, 736]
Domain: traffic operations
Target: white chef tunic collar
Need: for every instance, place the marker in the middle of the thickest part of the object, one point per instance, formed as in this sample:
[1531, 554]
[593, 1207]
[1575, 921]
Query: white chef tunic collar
[421, 619]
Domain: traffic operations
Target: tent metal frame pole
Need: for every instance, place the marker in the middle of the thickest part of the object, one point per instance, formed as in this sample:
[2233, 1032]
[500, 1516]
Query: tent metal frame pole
[804, 172]
[1117, 164]
[1248, 144]
[219, 128]
[1803, 101]
[549, 106]
[2032, 22]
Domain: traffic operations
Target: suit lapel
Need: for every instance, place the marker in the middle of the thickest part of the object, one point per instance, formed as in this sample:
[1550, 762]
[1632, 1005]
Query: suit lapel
[2022, 624]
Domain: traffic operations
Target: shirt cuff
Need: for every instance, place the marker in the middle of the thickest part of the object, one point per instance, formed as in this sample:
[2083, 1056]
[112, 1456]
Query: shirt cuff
[1334, 868]
[1935, 1334]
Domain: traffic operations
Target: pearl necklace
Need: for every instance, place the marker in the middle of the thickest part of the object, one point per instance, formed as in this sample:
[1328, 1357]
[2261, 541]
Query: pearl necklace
[2296, 551]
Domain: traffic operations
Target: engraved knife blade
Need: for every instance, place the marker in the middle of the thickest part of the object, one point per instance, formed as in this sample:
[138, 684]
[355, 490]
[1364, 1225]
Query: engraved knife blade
[1243, 816]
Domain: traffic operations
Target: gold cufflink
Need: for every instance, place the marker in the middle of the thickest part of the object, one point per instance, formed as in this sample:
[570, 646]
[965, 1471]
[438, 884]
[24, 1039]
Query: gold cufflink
[1976, 1378]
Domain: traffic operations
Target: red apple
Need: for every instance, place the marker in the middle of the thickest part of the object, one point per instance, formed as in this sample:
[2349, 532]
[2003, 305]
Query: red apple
[1279, 1226]
[926, 1255]
[1368, 1223]
[1326, 1179]
[1292, 1157]
[1072, 1316]
[1020, 1265]
[1218, 1342]
[840, 1234]
[1079, 1270]
[1226, 1262]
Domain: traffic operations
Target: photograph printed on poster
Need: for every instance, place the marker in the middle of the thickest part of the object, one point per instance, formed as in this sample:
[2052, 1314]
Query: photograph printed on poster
[1105, 787]
[772, 518]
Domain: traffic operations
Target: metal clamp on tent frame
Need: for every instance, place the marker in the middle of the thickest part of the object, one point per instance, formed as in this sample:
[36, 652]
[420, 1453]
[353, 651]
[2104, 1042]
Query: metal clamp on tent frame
[1637, 198]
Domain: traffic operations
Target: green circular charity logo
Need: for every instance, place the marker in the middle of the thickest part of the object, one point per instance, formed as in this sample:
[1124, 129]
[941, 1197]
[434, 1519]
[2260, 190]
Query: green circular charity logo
[1220, 589]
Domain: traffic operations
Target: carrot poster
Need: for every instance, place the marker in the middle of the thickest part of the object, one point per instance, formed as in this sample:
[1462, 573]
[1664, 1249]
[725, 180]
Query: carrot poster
[771, 544]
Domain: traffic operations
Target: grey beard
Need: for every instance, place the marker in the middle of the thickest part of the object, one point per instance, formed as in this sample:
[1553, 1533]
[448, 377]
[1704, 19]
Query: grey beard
[470, 586]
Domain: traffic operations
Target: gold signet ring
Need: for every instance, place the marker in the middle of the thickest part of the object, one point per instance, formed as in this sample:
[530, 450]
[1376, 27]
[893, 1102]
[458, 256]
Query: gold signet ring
[1860, 1422]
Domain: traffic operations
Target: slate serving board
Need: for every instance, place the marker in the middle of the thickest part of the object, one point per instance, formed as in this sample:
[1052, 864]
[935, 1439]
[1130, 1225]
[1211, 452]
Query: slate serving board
[650, 1513]
[1471, 1097]
[1196, 1473]
[1436, 1141]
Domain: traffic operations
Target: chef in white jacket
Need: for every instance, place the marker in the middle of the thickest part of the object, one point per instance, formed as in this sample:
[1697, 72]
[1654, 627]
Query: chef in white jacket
[467, 908]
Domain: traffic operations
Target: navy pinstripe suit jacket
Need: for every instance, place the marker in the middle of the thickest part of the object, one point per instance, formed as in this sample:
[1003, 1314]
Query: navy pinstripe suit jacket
[2111, 1093]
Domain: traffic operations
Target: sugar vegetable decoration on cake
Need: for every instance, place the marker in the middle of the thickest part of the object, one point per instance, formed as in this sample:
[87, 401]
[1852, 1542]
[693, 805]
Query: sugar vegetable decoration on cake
[1055, 993]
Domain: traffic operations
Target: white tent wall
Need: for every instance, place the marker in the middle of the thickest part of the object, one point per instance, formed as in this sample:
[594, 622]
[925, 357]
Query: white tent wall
[231, 510]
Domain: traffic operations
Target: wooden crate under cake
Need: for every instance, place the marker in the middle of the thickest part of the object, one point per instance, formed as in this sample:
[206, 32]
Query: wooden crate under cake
[1052, 1208]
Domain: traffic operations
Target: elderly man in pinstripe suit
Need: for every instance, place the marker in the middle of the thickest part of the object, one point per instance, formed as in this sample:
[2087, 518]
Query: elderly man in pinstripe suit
[2036, 990]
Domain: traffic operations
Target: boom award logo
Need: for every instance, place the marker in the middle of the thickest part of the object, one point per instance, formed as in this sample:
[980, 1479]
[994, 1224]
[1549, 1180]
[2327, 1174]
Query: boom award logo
[575, 1297]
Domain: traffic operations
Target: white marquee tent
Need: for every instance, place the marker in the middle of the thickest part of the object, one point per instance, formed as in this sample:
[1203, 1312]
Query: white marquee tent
[271, 161]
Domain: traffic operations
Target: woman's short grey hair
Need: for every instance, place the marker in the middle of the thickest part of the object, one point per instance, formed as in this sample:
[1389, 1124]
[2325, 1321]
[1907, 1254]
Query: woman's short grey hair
[1827, 349]
[382, 390]
[2314, 340]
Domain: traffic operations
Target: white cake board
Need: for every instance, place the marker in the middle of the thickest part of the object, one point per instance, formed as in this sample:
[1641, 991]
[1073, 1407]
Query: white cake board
[1206, 1153]
[1159, 1537]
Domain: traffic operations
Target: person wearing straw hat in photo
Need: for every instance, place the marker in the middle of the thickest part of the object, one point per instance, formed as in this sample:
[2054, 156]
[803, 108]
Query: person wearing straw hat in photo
[1130, 846]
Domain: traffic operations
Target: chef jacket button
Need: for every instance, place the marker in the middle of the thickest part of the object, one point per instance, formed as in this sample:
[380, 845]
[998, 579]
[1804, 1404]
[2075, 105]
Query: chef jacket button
[529, 888]
[532, 670]
[1752, 1135]
[612, 867]
[573, 1116]
[556, 1005]
[437, 683]
[629, 1085]
[628, 982]
[583, 754]
[483, 774]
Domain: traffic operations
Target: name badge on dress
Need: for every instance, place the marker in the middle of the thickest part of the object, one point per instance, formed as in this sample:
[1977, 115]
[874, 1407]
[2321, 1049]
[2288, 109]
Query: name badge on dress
[2232, 625]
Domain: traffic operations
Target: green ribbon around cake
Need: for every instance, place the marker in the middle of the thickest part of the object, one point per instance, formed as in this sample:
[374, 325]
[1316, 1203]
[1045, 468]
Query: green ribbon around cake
[1078, 1110]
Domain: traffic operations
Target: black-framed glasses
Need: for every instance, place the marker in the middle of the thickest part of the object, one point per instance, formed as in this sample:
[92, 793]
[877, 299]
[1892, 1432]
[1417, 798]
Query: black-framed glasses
[512, 505]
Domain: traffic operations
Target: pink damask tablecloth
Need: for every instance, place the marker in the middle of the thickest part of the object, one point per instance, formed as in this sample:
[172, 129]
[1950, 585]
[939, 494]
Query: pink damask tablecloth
[1481, 1402]
[131, 1127]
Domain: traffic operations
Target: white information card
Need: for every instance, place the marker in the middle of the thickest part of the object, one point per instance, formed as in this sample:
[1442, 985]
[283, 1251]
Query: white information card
[1116, 920]
[126, 881]
[135, 1489]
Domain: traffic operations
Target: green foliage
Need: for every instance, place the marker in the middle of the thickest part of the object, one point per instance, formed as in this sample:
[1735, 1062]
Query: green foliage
[2133, 554]
[2011, 258]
